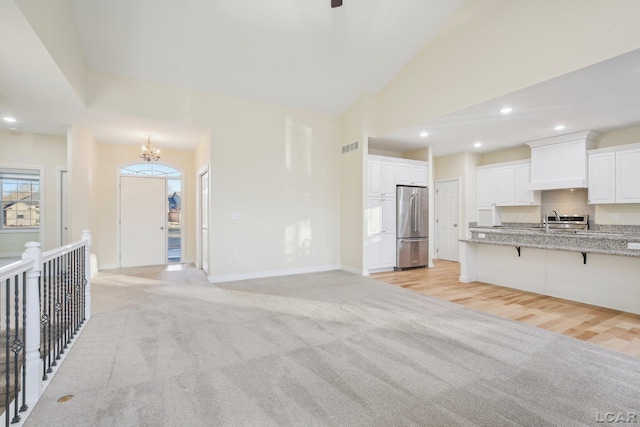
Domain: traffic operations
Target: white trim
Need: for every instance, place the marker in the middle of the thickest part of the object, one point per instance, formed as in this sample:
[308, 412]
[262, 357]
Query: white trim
[59, 197]
[353, 270]
[272, 273]
[108, 266]
[586, 135]
[201, 171]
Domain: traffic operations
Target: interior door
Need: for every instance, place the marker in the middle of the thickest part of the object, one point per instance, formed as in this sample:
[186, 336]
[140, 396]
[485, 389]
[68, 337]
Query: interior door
[204, 221]
[143, 221]
[447, 220]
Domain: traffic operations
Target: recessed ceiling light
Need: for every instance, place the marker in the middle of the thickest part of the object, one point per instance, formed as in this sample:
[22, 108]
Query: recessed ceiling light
[506, 110]
[424, 134]
[477, 144]
[9, 119]
[559, 127]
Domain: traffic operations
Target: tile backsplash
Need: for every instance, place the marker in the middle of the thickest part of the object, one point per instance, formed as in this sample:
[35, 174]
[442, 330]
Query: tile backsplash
[567, 202]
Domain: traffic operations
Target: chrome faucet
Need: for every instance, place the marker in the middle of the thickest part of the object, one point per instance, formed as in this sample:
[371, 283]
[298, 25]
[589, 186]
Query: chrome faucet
[546, 219]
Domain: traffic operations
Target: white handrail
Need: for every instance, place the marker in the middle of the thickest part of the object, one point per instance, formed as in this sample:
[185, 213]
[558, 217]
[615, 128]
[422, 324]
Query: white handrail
[14, 268]
[50, 254]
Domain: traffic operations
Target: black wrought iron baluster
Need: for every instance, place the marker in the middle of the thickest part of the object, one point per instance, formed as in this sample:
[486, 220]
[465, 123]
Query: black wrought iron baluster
[24, 406]
[84, 283]
[50, 278]
[76, 291]
[65, 300]
[7, 359]
[44, 319]
[56, 308]
[16, 347]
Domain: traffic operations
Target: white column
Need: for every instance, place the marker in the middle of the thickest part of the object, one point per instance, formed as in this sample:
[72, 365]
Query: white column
[33, 368]
[86, 237]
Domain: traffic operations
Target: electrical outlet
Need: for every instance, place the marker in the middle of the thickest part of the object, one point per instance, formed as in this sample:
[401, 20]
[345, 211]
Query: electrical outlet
[235, 258]
[481, 235]
[632, 245]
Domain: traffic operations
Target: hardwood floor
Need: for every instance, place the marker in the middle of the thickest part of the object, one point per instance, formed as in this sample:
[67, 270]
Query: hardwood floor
[612, 329]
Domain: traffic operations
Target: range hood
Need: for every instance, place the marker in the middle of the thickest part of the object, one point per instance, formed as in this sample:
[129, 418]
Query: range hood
[561, 161]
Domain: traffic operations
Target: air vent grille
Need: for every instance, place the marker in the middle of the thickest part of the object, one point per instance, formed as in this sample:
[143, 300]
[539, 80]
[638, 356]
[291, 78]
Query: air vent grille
[350, 147]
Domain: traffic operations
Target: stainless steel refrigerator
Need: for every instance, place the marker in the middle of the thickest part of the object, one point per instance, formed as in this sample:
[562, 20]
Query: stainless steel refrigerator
[412, 227]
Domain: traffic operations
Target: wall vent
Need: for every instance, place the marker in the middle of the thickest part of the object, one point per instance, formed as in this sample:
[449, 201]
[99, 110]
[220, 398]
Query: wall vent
[350, 147]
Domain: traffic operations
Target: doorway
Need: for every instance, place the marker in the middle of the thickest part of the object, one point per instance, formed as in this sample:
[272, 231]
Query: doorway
[447, 219]
[151, 193]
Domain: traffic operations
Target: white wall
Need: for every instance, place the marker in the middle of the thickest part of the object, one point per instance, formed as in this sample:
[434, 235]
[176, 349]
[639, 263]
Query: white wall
[275, 189]
[275, 167]
[41, 151]
[83, 195]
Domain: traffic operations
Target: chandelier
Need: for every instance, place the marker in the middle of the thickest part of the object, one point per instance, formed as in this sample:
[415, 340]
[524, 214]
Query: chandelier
[149, 152]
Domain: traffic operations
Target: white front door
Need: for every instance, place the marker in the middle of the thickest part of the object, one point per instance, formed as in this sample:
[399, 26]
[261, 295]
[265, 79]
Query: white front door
[143, 221]
[204, 221]
[447, 220]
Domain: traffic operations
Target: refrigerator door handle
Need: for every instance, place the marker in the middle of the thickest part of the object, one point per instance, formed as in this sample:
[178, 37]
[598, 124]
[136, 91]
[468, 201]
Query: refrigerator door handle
[412, 209]
[418, 214]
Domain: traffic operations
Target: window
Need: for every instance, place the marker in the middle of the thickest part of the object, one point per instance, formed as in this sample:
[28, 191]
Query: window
[19, 199]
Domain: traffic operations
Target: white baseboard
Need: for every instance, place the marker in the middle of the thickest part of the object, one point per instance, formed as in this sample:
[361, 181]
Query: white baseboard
[108, 267]
[464, 279]
[271, 273]
[353, 270]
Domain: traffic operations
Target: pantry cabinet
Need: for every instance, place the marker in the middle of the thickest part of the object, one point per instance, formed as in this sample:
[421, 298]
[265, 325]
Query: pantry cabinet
[382, 177]
[381, 232]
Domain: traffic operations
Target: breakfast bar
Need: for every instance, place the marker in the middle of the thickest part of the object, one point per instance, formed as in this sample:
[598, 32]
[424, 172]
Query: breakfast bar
[599, 266]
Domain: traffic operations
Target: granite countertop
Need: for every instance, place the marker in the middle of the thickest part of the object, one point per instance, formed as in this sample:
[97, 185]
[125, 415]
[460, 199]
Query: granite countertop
[609, 241]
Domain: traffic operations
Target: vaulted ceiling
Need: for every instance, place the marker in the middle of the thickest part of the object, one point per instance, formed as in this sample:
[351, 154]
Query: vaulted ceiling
[296, 53]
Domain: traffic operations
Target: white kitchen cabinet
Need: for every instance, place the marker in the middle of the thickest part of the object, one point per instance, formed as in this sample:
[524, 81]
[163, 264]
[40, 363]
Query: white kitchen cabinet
[412, 173]
[496, 186]
[381, 232]
[561, 162]
[628, 176]
[614, 174]
[523, 194]
[382, 177]
[602, 178]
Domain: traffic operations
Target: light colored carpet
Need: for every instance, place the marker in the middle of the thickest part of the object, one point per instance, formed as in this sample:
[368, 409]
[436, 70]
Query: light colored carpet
[169, 349]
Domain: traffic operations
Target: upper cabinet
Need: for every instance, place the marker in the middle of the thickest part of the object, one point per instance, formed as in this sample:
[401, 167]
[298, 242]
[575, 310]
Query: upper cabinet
[382, 177]
[412, 172]
[614, 174]
[561, 161]
[505, 184]
[524, 194]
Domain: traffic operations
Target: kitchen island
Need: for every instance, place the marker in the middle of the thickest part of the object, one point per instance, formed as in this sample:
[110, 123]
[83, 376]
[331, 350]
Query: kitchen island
[593, 266]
